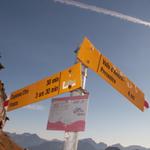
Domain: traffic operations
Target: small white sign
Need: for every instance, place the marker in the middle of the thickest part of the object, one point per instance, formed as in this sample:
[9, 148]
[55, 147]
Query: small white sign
[68, 113]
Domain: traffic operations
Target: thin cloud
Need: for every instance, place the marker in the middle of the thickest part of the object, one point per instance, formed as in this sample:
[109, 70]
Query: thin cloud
[34, 107]
[105, 11]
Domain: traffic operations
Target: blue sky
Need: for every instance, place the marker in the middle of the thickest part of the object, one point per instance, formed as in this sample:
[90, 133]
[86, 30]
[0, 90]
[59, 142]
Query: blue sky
[38, 39]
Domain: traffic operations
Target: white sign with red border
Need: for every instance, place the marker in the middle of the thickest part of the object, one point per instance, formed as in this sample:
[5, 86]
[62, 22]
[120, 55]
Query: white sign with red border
[68, 113]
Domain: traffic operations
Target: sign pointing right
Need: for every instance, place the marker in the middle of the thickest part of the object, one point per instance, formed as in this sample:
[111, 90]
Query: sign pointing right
[100, 64]
[120, 82]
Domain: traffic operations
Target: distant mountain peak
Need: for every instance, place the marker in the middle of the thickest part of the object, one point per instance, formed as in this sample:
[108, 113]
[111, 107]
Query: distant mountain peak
[27, 134]
[112, 148]
[102, 145]
[34, 142]
[27, 139]
[118, 145]
[87, 140]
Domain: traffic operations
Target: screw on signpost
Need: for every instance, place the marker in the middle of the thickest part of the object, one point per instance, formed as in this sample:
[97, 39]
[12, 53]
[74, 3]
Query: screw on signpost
[71, 138]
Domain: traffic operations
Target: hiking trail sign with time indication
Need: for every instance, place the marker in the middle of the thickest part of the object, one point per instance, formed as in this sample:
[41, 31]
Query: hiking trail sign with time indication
[73, 80]
[62, 82]
[100, 64]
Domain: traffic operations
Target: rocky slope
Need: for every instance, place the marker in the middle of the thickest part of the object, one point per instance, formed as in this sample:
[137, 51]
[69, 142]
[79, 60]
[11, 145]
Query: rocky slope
[6, 143]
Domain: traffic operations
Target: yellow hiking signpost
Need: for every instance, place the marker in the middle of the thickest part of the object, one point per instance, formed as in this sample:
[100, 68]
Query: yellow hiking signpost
[64, 81]
[73, 80]
[100, 64]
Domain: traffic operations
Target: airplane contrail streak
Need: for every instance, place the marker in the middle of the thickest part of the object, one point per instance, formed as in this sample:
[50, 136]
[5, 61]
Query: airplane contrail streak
[105, 11]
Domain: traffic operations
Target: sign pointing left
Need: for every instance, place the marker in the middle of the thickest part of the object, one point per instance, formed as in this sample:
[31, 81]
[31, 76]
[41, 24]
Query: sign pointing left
[61, 82]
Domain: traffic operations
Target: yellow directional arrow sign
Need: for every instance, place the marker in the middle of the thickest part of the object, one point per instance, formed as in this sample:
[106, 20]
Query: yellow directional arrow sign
[64, 81]
[93, 59]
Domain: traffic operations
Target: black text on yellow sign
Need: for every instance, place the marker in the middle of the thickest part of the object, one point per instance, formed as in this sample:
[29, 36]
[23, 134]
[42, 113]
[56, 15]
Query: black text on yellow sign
[64, 81]
[93, 59]
[120, 82]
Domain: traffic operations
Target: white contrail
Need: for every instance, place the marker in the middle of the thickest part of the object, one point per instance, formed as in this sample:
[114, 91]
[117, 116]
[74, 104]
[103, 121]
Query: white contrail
[105, 11]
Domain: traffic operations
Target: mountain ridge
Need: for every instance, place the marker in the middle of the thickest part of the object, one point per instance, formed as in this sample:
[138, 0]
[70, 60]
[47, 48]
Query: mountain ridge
[34, 142]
